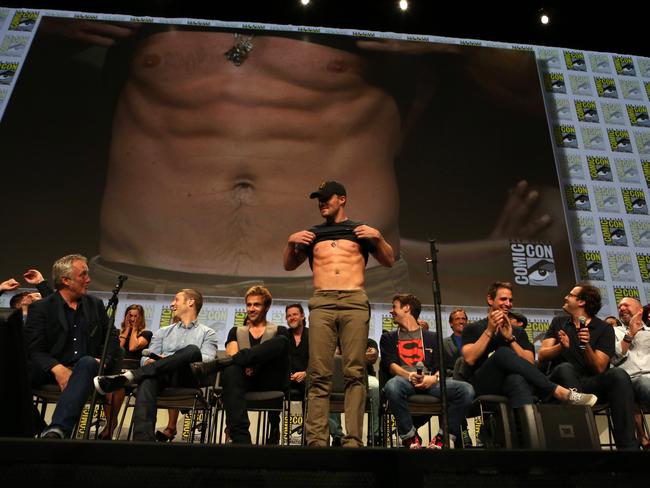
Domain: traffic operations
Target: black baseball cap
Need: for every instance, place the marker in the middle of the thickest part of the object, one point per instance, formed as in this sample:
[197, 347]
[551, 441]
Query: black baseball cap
[328, 188]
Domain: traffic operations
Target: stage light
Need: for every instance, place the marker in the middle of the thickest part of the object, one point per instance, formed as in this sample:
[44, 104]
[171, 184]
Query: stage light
[403, 5]
[304, 2]
[544, 16]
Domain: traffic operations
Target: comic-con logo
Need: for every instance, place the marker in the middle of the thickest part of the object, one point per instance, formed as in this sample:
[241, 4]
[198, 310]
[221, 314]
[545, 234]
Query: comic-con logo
[533, 264]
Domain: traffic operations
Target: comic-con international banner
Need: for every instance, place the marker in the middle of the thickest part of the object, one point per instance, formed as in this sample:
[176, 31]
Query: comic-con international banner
[186, 152]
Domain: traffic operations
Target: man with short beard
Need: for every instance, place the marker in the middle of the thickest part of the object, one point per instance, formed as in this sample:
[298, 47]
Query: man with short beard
[633, 355]
[579, 347]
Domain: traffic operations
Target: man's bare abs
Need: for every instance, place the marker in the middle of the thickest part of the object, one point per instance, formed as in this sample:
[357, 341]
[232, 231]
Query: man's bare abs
[203, 147]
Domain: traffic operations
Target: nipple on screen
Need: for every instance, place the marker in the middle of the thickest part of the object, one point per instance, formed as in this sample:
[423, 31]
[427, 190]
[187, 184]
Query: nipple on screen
[337, 65]
[151, 60]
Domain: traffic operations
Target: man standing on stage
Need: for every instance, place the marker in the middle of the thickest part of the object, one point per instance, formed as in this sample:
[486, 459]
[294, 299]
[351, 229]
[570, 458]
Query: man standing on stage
[339, 310]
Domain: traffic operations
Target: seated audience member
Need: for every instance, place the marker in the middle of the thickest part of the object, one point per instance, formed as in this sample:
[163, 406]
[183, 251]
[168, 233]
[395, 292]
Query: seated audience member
[258, 360]
[65, 335]
[633, 355]
[579, 347]
[133, 339]
[403, 351]
[452, 345]
[613, 321]
[181, 343]
[36, 279]
[500, 358]
[298, 334]
[16, 405]
[517, 319]
[21, 301]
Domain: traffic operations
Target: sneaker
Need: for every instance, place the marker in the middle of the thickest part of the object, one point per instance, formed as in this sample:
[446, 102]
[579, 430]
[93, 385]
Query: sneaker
[414, 442]
[436, 443]
[576, 398]
[108, 384]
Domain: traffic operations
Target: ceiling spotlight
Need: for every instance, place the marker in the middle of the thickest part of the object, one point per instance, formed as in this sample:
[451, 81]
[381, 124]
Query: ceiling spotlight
[304, 2]
[543, 16]
[403, 5]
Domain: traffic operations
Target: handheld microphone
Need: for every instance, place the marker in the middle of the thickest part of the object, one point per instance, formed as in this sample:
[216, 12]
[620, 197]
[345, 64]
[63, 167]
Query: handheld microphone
[150, 354]
[419, 368]
[582, 321]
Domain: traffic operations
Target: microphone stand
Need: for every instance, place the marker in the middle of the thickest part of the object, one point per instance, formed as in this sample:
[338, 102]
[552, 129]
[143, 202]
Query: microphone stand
[110, 312]
[437, 303]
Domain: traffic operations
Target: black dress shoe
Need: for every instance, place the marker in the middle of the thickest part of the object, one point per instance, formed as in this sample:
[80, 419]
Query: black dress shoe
[108, 384]
[203, 370]
[52, 434]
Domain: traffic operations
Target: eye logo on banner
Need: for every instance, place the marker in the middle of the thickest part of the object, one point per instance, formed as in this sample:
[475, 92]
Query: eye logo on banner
[638, 115]
[554, 83]
[619, 140]
[606, 199]
[590, 266]
[578, 197]
[7, 73]
[634, 201]
[642, 142]
[586, 110]
[620, 266]
[533, 264]
[575, 61]
[613, 232]
[600, 169]
[23, 21]
[613, 113]
[565, 136]
[624, 66]
[627, 171]
[606, 87]
[585, 230]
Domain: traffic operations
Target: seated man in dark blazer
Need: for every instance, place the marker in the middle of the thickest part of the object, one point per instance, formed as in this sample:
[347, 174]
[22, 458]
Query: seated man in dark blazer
[65, 337]
[452, 345]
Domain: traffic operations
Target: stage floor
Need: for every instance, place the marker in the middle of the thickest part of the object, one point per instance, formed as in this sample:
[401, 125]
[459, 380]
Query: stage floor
[79, 463]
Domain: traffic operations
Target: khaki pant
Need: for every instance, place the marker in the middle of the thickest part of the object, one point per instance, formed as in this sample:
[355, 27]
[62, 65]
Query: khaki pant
[337, 316]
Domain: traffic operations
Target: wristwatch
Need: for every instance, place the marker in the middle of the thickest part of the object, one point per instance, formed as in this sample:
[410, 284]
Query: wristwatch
[511, 340]
[628, 338]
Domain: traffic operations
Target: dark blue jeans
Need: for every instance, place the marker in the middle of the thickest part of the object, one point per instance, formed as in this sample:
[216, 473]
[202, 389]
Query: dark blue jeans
[73, 398]
[397, 390]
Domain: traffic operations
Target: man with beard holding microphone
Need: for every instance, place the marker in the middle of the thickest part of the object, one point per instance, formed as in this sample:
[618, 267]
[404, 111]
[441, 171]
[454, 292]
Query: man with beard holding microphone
[580, 347]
